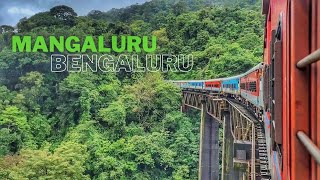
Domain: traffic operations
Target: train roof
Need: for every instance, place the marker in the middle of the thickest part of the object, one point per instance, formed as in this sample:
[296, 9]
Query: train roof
[218, 79]
[180, 81]
[258, 66]
[233, 77]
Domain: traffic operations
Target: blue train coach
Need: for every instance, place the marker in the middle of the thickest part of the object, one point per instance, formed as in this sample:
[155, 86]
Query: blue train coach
[231, 85]
[196, 84]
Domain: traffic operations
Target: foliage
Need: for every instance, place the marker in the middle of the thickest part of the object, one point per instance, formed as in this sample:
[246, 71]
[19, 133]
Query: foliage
[65, 163]
[117, 125]
[14, 129]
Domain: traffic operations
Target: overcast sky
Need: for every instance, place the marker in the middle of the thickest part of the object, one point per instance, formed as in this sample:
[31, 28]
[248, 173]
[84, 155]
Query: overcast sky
[11, 11]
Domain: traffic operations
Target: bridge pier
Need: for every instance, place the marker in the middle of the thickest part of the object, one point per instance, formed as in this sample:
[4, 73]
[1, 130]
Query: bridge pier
[209, 147]
[227, 149]
[184, 108]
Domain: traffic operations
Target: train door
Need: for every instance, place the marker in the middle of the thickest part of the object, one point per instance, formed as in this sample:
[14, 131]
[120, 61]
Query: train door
[260, 100]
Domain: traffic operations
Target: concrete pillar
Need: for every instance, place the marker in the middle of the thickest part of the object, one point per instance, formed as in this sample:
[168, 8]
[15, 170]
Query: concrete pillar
[228, 149]
[209, 147]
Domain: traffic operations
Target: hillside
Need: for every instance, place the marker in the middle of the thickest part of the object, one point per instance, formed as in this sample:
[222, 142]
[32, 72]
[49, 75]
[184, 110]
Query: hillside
[117, 125]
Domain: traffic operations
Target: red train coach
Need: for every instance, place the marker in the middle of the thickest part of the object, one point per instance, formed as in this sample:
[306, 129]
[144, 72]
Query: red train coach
[214, 85]
[291, 83]
[250, 86]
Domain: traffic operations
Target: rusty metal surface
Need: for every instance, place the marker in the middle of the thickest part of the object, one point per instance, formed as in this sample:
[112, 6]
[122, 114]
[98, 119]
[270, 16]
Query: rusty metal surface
[299, 88]
[265, 6]
[278, 91]
[213, 105]
[315, 84]
[242, 126]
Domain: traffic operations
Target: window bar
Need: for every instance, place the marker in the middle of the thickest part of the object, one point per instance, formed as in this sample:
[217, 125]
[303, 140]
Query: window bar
[309, 145]
[311, 58]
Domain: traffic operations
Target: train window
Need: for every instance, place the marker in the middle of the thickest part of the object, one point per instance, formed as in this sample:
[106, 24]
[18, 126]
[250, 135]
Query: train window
[253, 86]
[242, 85]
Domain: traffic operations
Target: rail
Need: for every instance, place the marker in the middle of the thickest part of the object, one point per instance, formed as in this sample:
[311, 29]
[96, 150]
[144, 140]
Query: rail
[246, 117]
[309, 145]
[311, 58]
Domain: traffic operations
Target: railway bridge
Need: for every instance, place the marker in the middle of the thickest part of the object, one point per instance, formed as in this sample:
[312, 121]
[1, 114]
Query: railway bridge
[244, 152]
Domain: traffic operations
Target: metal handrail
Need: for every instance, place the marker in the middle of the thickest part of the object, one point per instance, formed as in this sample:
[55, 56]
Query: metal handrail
[246, 117]
[309, 145]
[311, 58]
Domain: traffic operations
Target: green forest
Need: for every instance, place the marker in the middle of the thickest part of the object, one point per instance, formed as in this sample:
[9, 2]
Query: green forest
[117, 125]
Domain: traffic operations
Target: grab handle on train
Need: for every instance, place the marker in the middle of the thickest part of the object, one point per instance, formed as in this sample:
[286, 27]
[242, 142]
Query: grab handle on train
[309, 145]
[311, 58]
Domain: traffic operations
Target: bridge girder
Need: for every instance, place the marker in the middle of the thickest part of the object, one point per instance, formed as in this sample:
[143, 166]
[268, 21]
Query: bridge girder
[215, 106]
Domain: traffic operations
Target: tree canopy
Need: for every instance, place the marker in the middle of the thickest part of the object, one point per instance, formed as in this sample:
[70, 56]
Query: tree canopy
[117, 125]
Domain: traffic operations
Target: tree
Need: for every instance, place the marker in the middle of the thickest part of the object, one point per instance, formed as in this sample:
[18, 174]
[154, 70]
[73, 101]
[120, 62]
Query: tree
[140, 28]
[40, 128]
[6, 29]
[65, 163]
[96, 14]
[5, 97]
[162, 38]
[32, 91]
[42, 19]
[179, 8]
[64, 13]
[8, 141]
[149, 99]
[14, 128]
[114, 116]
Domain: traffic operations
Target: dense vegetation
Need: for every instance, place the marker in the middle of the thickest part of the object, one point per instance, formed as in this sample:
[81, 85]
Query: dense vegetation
[117, 125]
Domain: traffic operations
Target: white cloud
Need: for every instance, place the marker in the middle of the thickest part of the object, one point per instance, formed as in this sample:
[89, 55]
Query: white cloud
[21, 11]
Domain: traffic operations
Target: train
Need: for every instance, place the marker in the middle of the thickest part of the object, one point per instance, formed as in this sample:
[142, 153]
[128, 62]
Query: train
[246, 87]
[283, 89]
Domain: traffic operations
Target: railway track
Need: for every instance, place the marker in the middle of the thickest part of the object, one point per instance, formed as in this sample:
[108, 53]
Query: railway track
[262, 153]
[262, 163]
